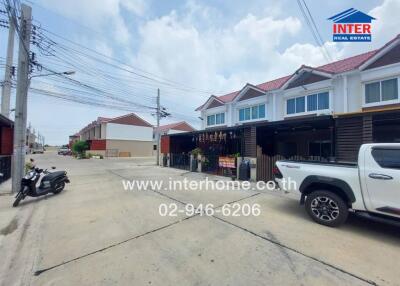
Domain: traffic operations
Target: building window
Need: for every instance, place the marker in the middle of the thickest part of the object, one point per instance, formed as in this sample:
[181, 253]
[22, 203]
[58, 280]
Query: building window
[220, 118]
[216, 119]
[312, 102]
[300, 104]
[296, 105]
[252, 113]
[291, 106]
[381, 91]
[211, 120]
[323, 101]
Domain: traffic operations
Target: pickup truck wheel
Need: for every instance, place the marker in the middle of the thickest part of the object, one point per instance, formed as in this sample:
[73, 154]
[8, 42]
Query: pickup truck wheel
[326, 208]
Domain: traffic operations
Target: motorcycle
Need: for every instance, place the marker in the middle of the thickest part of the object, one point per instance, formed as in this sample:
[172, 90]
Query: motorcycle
[52, 182]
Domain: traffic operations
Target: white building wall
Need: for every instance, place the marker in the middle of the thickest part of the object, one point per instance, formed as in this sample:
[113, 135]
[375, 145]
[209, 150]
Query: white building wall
[355, 92]
[103, 131]
[129, 132]
[279, 105]
[337, 95]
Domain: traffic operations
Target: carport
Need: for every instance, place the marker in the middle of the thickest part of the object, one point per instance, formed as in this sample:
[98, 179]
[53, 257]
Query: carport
[307, 138]
[211, 143]
[6, 147]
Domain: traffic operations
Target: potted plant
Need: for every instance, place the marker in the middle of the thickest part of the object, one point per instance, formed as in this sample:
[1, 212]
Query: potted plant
[195, 154]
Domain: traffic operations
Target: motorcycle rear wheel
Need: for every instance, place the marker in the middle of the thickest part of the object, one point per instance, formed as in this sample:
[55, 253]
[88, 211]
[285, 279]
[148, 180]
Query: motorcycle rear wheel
[59, 187]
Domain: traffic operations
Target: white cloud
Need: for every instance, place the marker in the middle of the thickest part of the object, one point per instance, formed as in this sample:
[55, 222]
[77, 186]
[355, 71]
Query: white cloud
[137, 7]
[99, 14]
[214, 59]
[310, 54]
[387, 21]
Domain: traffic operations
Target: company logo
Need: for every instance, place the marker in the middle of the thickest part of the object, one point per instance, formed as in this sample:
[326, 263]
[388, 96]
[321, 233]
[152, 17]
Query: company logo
[352, 26]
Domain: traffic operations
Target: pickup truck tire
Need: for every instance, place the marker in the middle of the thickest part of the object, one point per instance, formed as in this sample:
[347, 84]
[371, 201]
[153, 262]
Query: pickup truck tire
[326, 208]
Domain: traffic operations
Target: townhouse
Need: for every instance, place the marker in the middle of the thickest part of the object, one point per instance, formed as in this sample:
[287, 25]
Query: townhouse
[123, 136]
[359, 83]
[322, 113]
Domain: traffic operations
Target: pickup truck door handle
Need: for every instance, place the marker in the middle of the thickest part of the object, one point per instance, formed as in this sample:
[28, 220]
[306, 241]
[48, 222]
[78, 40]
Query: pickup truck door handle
[380, 176]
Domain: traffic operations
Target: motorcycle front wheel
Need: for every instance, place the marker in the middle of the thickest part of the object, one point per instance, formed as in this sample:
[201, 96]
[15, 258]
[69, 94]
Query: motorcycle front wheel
[18, 198]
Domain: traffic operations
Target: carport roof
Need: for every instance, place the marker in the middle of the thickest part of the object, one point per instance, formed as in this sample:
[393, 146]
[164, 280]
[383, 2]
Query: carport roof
[4, 121]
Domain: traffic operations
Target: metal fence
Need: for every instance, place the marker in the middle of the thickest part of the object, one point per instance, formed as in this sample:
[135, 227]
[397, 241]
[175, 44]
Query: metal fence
[266, 164]
[5, 167]
[180, 161]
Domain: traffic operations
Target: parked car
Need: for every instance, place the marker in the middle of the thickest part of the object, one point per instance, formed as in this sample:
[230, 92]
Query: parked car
[64, 151]
[369, 188]
[38, 150]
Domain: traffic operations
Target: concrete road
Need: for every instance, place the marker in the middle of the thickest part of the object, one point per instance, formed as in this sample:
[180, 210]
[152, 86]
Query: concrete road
[96, 233]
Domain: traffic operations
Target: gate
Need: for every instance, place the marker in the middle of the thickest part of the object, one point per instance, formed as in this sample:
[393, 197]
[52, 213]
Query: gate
[211, 166]
[266, 164]
[180, 161]
[5, 168]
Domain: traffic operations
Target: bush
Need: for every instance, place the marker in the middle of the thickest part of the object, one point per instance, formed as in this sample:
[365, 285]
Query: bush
[79, 147]
[197, 151]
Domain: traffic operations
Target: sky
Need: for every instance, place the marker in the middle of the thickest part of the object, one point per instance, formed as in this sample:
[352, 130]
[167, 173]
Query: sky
[198, 47]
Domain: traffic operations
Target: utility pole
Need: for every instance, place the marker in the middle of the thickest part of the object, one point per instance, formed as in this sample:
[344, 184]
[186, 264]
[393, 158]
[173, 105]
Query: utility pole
[158, 125]
[6, 90]
[21, 97]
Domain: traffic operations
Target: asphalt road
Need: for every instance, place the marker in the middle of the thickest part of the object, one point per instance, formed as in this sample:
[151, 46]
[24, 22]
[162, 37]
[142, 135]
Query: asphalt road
[97, 233]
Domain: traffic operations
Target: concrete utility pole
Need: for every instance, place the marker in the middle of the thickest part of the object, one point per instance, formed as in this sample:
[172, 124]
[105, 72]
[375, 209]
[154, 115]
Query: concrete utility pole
[21, 97]
[6, 90]
[158, 125]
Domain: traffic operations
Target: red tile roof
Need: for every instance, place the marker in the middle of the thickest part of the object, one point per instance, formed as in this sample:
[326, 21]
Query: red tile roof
[183, 126]
[340, 66]
[228, 97]
[347, 64]
[102, 119]
[128, 119]
[273, 84]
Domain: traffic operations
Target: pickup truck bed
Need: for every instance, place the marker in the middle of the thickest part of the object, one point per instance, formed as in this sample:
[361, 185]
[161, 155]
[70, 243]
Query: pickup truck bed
[330, 189]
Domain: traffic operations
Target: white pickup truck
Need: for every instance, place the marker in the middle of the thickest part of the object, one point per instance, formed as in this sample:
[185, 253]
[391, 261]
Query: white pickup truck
[329, 191]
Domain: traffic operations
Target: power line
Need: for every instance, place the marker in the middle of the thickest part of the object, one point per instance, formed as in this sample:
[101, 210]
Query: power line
[130, 69]
[314, 30]
[83, 100]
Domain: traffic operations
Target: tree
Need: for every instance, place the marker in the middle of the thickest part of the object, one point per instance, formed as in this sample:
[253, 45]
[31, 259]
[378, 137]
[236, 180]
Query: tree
[80, 147]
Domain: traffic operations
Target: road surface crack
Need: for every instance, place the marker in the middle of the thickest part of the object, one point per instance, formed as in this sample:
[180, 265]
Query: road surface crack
[38, 272]
[279, 244]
